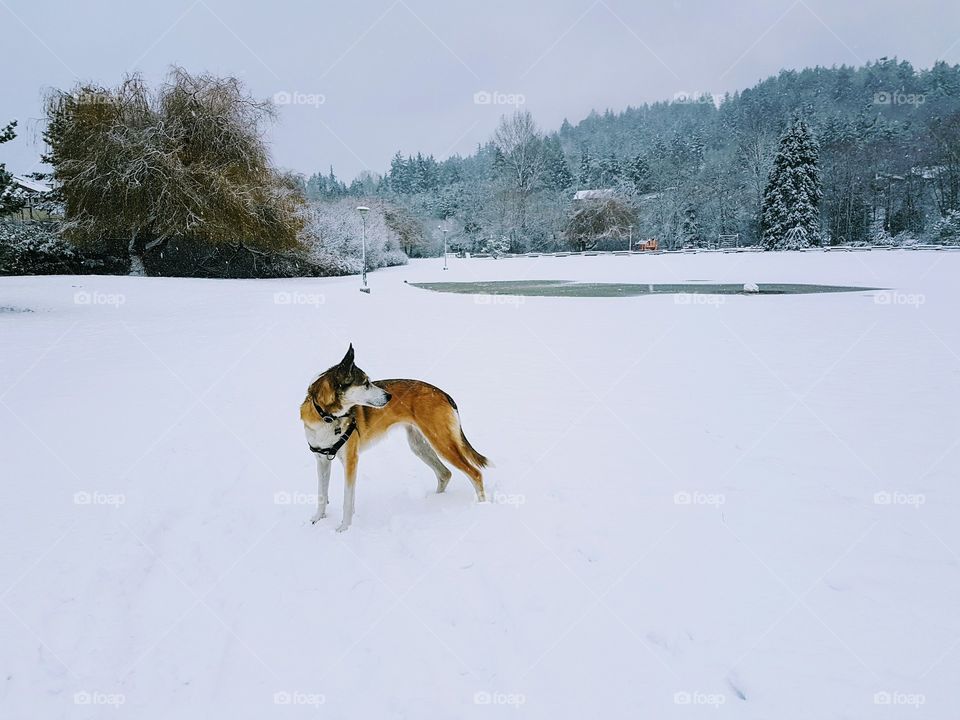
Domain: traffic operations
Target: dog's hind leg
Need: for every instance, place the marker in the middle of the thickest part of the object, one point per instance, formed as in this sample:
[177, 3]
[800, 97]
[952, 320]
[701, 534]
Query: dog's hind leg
[421, 448]
[323, 487]
[449, 449]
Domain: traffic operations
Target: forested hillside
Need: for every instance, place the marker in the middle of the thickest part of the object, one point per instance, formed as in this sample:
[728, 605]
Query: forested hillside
[688, 170]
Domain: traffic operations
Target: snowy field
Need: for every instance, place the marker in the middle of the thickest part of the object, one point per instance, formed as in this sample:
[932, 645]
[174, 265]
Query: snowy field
[703, 506]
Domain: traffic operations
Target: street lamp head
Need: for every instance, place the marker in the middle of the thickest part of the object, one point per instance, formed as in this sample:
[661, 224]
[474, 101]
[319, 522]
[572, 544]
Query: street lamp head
[363, 209]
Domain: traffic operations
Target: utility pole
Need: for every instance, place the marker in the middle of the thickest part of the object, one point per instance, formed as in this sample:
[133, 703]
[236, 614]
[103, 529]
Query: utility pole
[363, 210]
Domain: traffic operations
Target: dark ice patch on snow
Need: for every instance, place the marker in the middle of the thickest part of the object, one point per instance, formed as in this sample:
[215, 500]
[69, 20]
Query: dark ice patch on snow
[565, 288]
[9, 309]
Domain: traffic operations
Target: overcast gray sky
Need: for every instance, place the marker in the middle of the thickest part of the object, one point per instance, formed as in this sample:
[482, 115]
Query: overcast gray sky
[368, 78]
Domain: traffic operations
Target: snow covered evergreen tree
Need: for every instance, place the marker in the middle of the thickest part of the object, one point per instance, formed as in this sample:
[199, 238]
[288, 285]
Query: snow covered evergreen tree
[557, 173]
[690, 235]
[399, 179]
[610, 171]
[790, 216]
[879, 235]
[585, 175]
[8, 203]
[637, 175]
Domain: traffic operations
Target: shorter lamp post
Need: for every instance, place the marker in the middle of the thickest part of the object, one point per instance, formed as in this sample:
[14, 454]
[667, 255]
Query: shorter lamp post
[363, 210]
[444, 231]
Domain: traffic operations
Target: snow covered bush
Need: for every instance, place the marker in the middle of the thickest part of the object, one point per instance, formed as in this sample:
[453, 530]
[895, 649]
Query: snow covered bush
[880, 236]
[332, 233]
[36, 248]
[330, 245]
[905, 239]
[946, 230]
[494, 246]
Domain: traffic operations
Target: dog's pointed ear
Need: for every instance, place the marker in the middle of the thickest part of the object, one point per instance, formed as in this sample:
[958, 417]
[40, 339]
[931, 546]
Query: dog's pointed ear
[348, 358]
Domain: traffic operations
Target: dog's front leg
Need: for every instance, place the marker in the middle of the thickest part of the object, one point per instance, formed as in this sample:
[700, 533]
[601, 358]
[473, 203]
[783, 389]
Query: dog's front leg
[323, 487]
[352, 455]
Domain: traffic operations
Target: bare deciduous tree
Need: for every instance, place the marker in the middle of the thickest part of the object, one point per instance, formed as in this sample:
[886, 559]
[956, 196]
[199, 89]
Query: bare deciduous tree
[596, 220]
[756, 149]
[520, 159]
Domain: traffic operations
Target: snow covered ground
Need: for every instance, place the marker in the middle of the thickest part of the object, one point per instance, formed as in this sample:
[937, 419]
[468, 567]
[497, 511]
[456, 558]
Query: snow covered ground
[703, 506]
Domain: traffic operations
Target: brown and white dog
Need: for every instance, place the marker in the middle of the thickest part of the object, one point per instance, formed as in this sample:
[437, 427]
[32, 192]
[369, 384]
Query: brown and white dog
[345, 413]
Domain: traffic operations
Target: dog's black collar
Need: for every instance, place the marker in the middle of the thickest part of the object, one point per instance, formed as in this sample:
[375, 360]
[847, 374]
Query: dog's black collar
[327, 417]
[332, 451]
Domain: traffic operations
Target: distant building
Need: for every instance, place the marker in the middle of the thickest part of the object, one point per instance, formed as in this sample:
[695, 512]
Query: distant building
[35, 196]
[31, 186]
[601, 194]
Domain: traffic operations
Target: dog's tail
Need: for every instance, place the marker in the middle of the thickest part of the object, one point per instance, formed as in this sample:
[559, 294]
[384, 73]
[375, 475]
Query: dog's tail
[472, 454]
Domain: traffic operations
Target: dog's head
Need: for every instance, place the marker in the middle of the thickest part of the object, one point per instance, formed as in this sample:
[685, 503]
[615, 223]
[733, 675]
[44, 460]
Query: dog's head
[345, 386]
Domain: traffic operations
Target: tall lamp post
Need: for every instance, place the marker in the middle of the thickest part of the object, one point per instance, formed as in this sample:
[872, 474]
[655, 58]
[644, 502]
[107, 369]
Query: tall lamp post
[363, 210]
[444, 231]
[630, 241]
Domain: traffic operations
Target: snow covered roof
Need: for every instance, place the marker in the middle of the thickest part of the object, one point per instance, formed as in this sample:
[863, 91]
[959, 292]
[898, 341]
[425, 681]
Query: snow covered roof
[603, 194]
[927, 172]
[32, 185]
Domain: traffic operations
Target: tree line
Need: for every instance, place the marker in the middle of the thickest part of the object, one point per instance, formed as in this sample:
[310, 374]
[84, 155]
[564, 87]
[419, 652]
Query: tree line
[883, 140]
[821, 156]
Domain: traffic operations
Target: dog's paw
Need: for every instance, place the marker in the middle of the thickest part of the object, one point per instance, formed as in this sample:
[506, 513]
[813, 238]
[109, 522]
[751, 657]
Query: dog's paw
[318, 516]
[342, 527]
